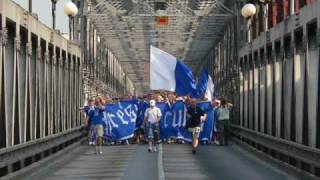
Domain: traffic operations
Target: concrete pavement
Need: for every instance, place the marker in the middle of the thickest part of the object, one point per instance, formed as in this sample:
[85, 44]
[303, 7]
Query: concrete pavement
[133, 162]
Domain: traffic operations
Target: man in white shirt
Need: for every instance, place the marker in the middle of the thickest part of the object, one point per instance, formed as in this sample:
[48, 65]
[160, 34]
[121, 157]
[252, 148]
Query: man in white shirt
[152, 118]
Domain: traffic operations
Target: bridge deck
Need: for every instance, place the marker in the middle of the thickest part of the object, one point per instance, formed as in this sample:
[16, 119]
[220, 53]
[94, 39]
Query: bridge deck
[134, 162]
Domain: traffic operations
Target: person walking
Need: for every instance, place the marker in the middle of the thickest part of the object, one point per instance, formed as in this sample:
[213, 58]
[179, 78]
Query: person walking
[215, 104]
[152, 118]
[195, 117]
[88, 122]
[97, 118]
[223, 116]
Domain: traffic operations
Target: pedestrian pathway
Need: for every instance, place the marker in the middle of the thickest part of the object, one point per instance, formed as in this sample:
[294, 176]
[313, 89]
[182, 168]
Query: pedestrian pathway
[179, 163]
[134, 162]
[86, 164]
[213, 162]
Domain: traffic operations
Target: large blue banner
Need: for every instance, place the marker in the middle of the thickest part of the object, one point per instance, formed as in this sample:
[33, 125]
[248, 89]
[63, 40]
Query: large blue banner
[121, 119]
[207, 126]
[142, 107]
[173, 121]
[124, 117]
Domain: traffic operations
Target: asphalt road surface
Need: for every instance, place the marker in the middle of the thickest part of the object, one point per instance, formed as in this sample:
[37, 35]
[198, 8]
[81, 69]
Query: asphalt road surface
[134, 162]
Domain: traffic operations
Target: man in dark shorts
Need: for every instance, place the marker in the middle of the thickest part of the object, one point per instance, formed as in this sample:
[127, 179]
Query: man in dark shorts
[195, 116]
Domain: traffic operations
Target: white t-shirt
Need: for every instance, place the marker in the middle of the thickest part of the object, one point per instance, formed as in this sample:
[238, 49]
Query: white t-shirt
[152, 114]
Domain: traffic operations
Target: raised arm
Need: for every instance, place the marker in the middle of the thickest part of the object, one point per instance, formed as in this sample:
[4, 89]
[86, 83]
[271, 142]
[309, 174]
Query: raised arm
[204, 117]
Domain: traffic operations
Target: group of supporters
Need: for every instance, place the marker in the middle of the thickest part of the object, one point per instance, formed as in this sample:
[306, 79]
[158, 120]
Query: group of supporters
[149, 132]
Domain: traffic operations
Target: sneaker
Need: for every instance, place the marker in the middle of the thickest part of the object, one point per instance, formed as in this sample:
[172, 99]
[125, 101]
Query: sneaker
[154, 149]
[100, 152]
[149, 149]
[193, 151]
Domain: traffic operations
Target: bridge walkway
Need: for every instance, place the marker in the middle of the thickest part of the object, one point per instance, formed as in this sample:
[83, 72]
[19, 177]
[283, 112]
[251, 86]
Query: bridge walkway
[177, 162]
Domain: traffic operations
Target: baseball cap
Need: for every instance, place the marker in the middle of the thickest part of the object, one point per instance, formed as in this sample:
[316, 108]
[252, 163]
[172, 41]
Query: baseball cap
[152, 102]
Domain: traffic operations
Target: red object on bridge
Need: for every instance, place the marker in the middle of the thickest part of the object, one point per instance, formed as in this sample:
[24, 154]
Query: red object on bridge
[285, 8]
[162, 20]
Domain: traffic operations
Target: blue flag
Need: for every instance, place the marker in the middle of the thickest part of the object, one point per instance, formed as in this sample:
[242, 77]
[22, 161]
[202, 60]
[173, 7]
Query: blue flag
[185, 81]
[121, 119]
[207, 127]
[173, 121]
[142, 107]
[202, 84]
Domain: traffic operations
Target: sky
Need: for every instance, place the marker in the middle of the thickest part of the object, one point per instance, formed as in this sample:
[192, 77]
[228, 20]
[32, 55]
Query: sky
[43, 9]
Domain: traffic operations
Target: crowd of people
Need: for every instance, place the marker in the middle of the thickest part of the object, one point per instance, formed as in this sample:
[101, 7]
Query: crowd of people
[149, 132]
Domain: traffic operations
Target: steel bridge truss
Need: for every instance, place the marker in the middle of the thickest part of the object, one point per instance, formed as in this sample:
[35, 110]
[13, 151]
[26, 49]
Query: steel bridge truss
[129, 28]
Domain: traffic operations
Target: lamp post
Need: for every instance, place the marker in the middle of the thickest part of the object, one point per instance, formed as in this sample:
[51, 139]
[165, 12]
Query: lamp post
[247, 12]
[53, 12]
[70, 9]
[30, 6]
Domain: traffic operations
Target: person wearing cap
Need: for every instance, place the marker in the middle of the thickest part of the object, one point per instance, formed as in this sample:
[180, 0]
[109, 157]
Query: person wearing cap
[195, 117]
[152, 118]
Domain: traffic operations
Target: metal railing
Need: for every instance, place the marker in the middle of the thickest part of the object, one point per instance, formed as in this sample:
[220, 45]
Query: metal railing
[298, 151]
[292, 150]
[25, 154]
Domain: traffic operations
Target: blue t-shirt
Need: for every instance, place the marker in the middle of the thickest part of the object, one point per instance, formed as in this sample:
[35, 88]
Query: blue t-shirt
[96, 116]
[87, 110]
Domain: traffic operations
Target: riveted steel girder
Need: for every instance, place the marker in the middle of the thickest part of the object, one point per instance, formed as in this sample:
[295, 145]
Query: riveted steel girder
[129, 28]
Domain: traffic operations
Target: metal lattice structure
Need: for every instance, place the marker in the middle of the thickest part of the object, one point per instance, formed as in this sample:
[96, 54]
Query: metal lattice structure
[129, 28]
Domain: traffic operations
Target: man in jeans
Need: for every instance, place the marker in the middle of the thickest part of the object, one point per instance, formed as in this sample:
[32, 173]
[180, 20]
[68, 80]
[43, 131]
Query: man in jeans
[223, 115]
[195, 116]
[152, 118]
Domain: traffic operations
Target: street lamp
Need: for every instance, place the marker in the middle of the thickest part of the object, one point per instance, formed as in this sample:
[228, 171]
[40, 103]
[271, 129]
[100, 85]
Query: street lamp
[53, 12]
[248, 11]
[30, 6]
[70, 9]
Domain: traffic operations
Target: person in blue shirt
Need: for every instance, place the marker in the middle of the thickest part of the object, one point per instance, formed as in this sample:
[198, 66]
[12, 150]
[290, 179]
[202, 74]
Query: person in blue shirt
[87, 122]
[97, 119]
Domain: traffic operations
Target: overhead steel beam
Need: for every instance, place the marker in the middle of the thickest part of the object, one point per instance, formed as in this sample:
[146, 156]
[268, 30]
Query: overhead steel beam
[129, 27]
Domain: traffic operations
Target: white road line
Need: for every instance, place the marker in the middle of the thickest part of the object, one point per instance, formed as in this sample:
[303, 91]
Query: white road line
[160, 164]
